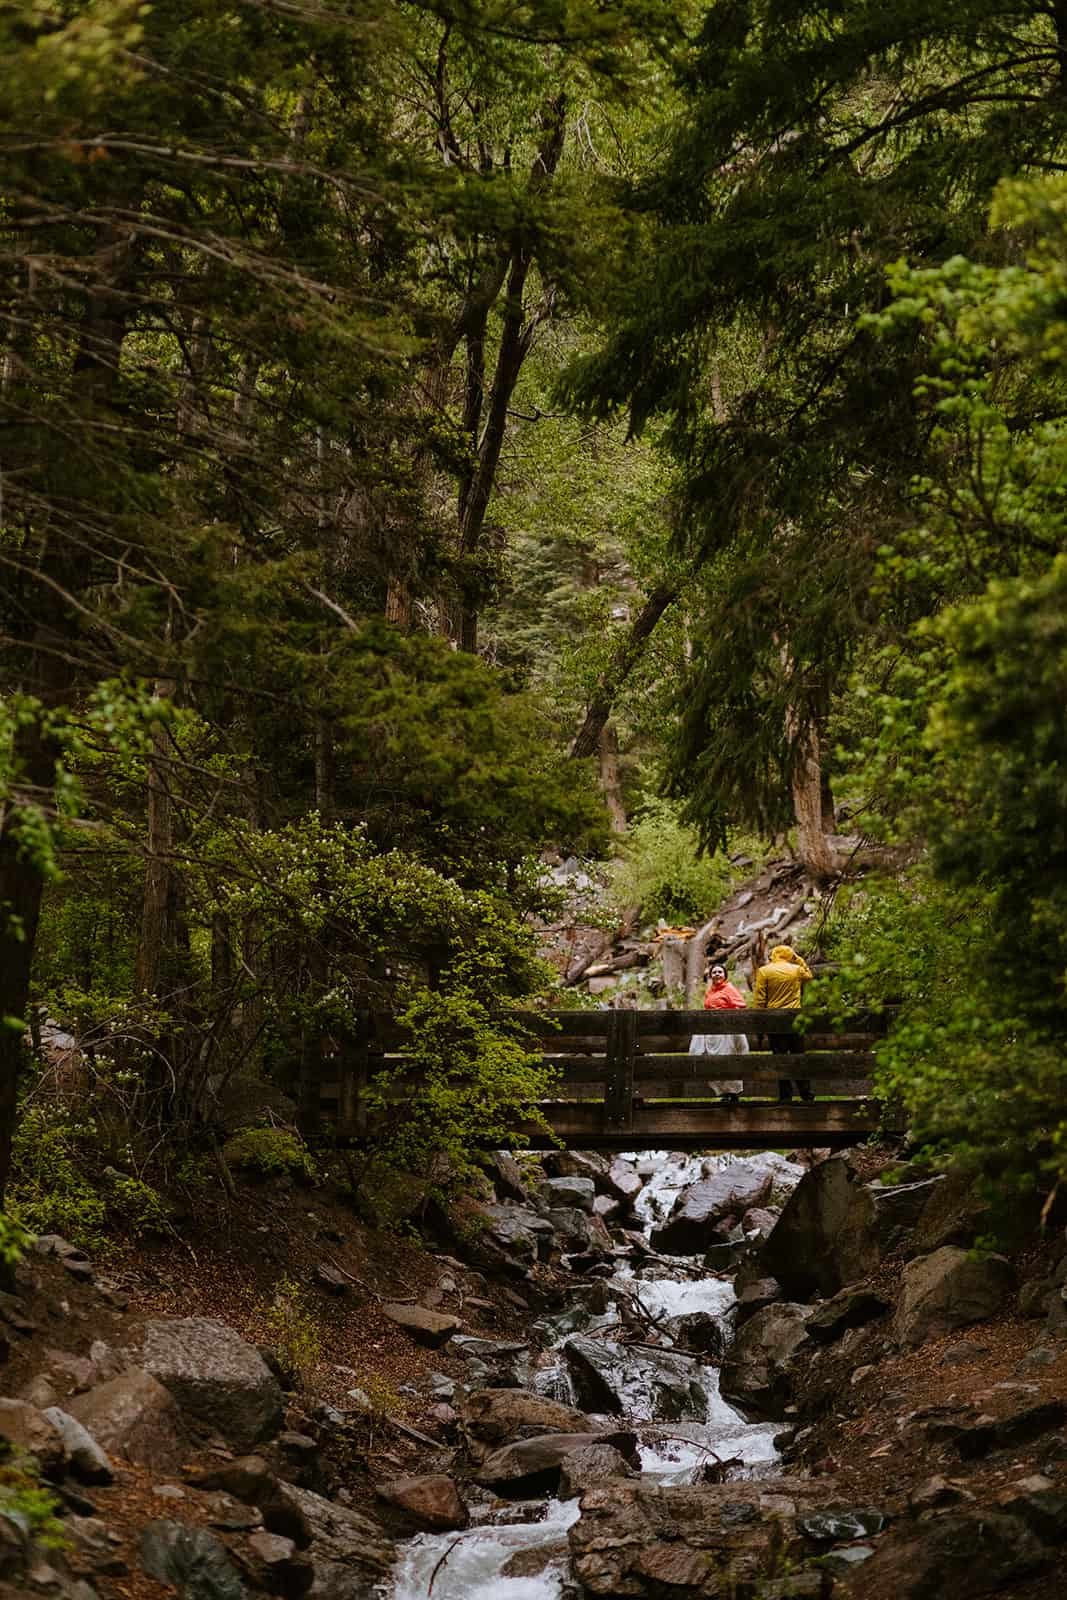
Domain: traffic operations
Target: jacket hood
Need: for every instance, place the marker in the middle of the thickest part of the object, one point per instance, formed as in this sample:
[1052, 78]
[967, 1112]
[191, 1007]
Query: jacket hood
[782, 952]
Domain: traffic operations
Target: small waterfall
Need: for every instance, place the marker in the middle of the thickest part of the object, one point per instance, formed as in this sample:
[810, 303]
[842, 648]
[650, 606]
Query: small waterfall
[527, 1560]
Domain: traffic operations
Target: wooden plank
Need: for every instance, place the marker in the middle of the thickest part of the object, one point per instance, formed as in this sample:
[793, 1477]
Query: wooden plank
[688, 1126]
[673, 1023]
[812, 1063]
[619, 1076]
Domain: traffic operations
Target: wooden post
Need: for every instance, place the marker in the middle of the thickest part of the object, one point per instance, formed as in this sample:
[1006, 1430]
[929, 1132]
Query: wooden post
[619, 1082]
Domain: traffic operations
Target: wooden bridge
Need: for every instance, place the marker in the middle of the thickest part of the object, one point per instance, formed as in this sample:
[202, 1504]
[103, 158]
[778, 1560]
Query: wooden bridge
[626, 1080]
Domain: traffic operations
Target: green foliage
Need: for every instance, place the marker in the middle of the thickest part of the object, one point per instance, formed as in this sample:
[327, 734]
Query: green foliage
[475, 1082]
[664, 870]
[270, 1153]
[51, 1190]
[30, 1506]
[293, 1330]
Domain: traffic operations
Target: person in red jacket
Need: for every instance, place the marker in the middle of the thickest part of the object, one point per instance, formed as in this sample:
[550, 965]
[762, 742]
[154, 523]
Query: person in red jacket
[721, 995]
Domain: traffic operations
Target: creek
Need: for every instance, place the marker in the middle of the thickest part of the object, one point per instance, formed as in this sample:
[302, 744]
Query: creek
[517, 1551]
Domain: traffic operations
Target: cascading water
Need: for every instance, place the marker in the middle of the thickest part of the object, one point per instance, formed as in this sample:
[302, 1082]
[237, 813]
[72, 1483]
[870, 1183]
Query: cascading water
[480, 1563]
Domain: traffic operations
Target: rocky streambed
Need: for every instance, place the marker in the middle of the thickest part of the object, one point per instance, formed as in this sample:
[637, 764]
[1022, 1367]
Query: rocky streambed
[604, 1458]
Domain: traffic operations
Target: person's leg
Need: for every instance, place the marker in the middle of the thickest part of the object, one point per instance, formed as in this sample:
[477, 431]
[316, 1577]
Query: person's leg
[803, 1085]
[782, 1045]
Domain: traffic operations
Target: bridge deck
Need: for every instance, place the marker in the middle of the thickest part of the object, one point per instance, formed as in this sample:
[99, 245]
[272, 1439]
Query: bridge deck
[626, 1079]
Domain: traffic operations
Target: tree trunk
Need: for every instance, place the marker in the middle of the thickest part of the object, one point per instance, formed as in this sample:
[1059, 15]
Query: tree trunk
[813, 846]
[157, 907]
[609, 778]
[622, 663]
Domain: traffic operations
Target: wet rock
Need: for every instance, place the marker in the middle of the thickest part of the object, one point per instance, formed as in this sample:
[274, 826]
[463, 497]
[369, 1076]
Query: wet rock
[759, 1220]
[623, 1182]
[531, 1464]
[133, 1416]
[537, 1561]
[607, 1377]
[826, 1236]
[634, 1539]
[691, 1226]
[430, 1502]
[948, 1290]
[215, 1376]
[606, 1207]
[831, 1526]
[841, 1563]
[756, 1294]
[193, 1560]
[853, 1307]
[87, 1461]
[492, 1417]
[427, 1327]
[760, 1366]
[568, 1192]
[26, 1428]
[274, 1564]
[591, 1464]
[493, 1363]
[698, 1331]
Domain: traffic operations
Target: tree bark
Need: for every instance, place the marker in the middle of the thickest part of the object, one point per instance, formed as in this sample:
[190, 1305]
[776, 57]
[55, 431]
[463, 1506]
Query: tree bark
[622, 663]
[813, 845]
[609, 778]
[157, 906]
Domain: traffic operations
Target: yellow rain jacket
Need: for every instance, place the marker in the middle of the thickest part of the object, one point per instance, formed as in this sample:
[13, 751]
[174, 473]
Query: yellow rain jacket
[778, 984]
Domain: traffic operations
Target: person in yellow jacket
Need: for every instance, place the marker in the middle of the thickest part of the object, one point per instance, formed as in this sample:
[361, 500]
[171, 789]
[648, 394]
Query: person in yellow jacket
[779, 985]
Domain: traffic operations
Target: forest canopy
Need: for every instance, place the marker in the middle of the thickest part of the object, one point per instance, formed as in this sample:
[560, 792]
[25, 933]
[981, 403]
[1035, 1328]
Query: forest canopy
[436, 436]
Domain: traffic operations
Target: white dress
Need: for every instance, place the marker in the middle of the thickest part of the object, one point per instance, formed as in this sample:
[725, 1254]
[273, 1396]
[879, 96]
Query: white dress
[721, 1044]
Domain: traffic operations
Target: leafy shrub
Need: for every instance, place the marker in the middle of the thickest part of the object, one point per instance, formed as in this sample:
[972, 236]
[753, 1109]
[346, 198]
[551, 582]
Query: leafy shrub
[50, 1189]
[293, 1330]
[136, 1204]
[269, 1152]
[663, 871]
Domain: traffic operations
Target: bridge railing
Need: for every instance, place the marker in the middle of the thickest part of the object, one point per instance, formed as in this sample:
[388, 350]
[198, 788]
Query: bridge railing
[620, 1060]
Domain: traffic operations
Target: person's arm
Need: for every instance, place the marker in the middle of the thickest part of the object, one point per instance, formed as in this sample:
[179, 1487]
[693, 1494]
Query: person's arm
[759, 999]
[805, 971]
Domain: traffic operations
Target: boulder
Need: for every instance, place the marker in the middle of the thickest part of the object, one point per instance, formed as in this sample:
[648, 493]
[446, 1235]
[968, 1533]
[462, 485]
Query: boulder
[698, 1331]
[492, 1417]
[276, 1565]
[531, 1464]
[133, 1416]
[350, 1553]
[572, 1228]
[215, 1376]
[431, 1328]
[852, 1307]
[826, 1236]
[963, 1554]
[87, 1461]
[518, 1231]
[950, 1289]
[758, 1371]
[899, 1206]
[572, 1191]
[692, 1224]
[623, 1182]
[657, 1384]
[196, 1563]
[756, 1294]
[246, 1478]
[606, 1207]
[431, 1501]
[576, 1164]
[506, 1176]
[759, 1220]
[26, 1428]
[592, 1463]
[636, 1539]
